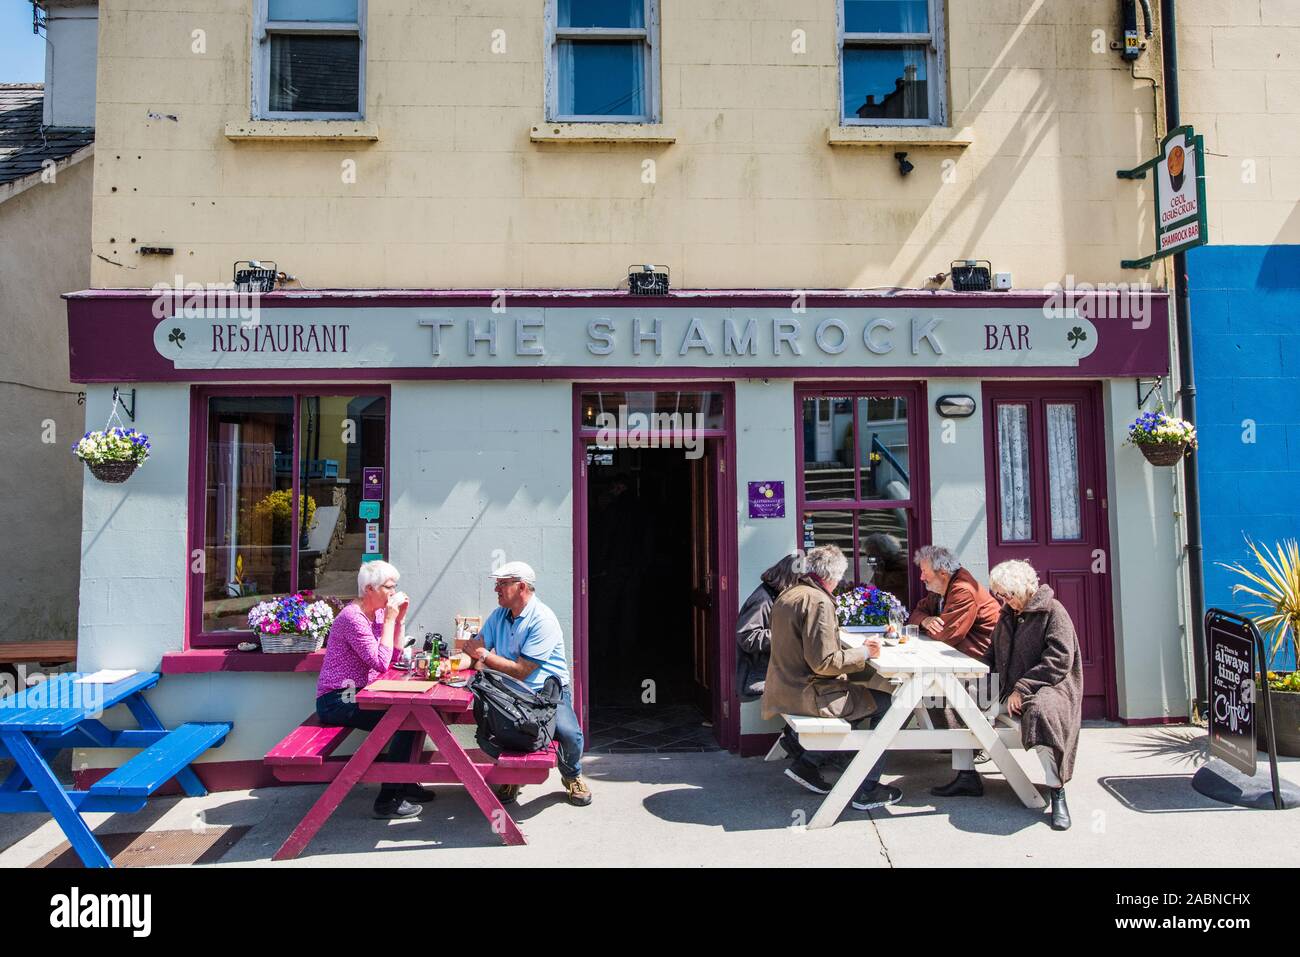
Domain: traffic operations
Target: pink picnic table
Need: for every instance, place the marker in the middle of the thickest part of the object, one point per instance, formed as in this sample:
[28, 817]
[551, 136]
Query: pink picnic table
[306, 756]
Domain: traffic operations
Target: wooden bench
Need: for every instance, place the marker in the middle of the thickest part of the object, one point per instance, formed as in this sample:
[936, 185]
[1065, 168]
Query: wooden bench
[157, 764]
[827, 734]
[306, 755]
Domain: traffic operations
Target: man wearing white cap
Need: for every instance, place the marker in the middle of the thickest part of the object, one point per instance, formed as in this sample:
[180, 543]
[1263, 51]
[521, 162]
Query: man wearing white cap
[523, 641]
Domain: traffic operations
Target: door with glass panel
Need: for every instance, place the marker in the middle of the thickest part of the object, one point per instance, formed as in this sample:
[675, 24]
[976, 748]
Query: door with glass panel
[1047, 504]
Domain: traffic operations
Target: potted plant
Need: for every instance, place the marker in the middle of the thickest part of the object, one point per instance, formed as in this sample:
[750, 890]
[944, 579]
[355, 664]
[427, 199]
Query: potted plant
[1275, 586]
[278, 506]
[866, 608]
[112, 454]
[1162, 439]
[293, 623]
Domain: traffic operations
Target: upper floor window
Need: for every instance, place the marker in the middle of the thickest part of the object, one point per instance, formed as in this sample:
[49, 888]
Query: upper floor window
[603, 61]
[892, 62]
[309, 59]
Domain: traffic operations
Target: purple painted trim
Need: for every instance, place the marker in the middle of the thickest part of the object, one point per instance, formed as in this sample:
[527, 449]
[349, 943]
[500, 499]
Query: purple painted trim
[195, 637]
[918, 437]
[207, 660]
[753, 745]
[727, 542]
[128, 354]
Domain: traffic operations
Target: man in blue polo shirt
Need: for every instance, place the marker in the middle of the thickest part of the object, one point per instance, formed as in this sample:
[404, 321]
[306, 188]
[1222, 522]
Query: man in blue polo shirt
[523, 641]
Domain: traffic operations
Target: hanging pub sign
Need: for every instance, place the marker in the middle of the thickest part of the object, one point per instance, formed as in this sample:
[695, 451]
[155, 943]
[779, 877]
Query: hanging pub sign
[1231, 649]
[1180, 195]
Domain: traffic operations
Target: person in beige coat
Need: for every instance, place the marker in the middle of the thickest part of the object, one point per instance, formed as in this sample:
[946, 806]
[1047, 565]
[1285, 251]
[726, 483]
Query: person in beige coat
[811, 673]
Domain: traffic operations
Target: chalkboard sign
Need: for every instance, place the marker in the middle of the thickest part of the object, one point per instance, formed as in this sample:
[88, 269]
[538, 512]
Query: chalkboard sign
[1231, 648]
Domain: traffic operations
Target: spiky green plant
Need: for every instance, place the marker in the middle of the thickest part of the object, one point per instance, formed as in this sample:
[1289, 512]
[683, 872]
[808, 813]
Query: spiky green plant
[1276, 590]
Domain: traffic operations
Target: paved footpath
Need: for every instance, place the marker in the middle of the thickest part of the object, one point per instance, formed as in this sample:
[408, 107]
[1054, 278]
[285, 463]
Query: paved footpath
[1131, 799]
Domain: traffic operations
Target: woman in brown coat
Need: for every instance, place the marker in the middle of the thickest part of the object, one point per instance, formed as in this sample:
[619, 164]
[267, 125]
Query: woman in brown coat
[1040, 673]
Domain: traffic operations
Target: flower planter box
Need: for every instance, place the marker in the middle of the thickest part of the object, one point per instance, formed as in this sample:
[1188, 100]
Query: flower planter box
[1286, 722]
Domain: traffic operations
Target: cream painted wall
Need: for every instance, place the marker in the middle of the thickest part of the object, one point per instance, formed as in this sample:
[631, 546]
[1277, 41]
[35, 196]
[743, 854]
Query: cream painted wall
[454, 194]
[1150, 652]
[1239, 84]
[44, 252]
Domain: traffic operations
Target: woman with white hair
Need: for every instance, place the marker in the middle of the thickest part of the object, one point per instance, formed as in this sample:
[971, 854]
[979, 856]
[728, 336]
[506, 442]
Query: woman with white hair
[361, 646]
[1040, 673]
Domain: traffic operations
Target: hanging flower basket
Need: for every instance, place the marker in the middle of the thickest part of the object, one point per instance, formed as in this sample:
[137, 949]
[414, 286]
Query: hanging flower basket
[1162, 439]
[1164, 453]
[294, 623]
[866, 608]
[113, 454]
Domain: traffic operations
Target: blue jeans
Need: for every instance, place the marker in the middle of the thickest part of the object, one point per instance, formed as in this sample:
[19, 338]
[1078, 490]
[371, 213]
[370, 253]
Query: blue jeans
[336, 712]
[568, 735]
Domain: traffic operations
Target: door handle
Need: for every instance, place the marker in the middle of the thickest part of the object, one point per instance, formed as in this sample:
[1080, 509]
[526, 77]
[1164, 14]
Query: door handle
[1088, 494]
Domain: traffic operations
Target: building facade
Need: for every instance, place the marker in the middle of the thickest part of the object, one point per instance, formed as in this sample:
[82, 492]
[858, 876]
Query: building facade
[1238, 63]
[454, 192]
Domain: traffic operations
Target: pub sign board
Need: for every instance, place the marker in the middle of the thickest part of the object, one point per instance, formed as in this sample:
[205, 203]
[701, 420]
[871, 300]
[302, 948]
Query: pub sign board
[1230, 645]
[1179, 173]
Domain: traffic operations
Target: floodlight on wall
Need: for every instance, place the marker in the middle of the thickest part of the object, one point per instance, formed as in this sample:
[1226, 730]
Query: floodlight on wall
[256, 276]
[647, 280]
[971, 275]
[904, 167]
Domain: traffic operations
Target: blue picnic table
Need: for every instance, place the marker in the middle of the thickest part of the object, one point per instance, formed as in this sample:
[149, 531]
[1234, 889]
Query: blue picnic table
[59, 713]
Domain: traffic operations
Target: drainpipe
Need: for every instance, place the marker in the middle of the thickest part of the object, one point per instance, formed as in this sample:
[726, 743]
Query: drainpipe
[1186, 379]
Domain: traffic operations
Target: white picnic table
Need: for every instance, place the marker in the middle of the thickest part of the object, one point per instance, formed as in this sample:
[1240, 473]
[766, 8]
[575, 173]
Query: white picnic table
[928, 668]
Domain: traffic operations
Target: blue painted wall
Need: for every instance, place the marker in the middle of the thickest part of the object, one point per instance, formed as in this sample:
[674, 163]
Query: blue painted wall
[1245, 310]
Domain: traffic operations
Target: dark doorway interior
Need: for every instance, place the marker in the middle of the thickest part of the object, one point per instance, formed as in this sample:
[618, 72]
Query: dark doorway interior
[642, 530]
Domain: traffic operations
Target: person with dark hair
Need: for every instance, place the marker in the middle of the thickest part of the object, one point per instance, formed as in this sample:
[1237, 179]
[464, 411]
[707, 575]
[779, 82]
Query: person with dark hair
[754, 627]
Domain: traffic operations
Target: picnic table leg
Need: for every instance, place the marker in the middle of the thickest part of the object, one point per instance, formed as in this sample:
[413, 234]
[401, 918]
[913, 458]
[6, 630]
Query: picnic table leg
[498, 818]
[905, 699]
[52, 795]
[978, 724]
[357, 765]
[148, 720]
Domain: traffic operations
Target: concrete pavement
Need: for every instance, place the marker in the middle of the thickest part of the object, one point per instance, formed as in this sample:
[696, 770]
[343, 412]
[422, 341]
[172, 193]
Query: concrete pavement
[1131, 800]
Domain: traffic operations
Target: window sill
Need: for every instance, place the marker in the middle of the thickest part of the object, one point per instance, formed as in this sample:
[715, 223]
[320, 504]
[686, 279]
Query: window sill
[303, 130]
[207, 660]
[940, 137]
[602, 133]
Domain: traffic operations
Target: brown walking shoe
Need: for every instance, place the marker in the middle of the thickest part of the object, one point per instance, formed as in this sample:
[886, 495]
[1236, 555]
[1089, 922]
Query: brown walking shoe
[579, 795]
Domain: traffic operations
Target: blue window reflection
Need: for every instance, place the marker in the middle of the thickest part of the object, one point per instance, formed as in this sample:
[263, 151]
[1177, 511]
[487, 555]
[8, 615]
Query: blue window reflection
[886, 83]
[324, 11]
[887, 16]
[601, 13]
[601, 78]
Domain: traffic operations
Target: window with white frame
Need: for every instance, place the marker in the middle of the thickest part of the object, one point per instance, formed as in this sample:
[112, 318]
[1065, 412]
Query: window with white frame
[309, 59]
[892, 65]
[603, 61]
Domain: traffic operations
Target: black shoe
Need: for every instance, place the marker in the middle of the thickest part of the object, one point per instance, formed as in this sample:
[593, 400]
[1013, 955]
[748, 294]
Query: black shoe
[387, 809]
[790, 744]
[417, 794]
[1060, 810]
[872, 796]
[808, 776]
[508, 793]
[965, 784]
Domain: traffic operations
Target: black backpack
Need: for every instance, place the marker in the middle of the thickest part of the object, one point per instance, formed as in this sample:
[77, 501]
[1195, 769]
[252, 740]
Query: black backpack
[511, 719]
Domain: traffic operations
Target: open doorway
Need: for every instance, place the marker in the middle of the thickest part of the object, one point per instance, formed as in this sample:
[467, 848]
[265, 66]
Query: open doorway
[652, 615]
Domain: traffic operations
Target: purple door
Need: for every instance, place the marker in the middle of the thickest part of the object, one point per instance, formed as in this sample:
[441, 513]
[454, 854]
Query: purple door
[1047, 504]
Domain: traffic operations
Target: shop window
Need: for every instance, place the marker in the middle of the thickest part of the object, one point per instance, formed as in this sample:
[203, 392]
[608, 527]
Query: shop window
[309, 59]
[892, 62]
[255, 544]
[856, 484]
[603, 61]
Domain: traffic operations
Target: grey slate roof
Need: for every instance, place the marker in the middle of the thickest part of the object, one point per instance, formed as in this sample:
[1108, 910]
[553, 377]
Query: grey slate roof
[23, 144]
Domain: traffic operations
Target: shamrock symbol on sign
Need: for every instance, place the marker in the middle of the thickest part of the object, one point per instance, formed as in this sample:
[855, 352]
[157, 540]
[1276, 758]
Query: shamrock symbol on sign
[177, 337]
[1076, 336]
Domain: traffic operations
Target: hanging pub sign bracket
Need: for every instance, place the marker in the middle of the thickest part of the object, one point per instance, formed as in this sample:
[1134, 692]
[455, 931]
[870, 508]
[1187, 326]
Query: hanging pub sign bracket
[1179, 194]
[120, 401]
[1155, 384]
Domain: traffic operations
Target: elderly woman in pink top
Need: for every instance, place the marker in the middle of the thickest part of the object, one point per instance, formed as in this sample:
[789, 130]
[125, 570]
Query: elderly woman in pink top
[361, 646]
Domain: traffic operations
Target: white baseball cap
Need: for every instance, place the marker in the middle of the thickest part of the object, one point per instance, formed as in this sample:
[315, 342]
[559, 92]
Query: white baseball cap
[521, 570]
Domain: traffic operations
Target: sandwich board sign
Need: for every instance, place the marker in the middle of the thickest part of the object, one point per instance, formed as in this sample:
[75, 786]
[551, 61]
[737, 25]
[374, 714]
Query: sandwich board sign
[1231, 649]
[1180, 213]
